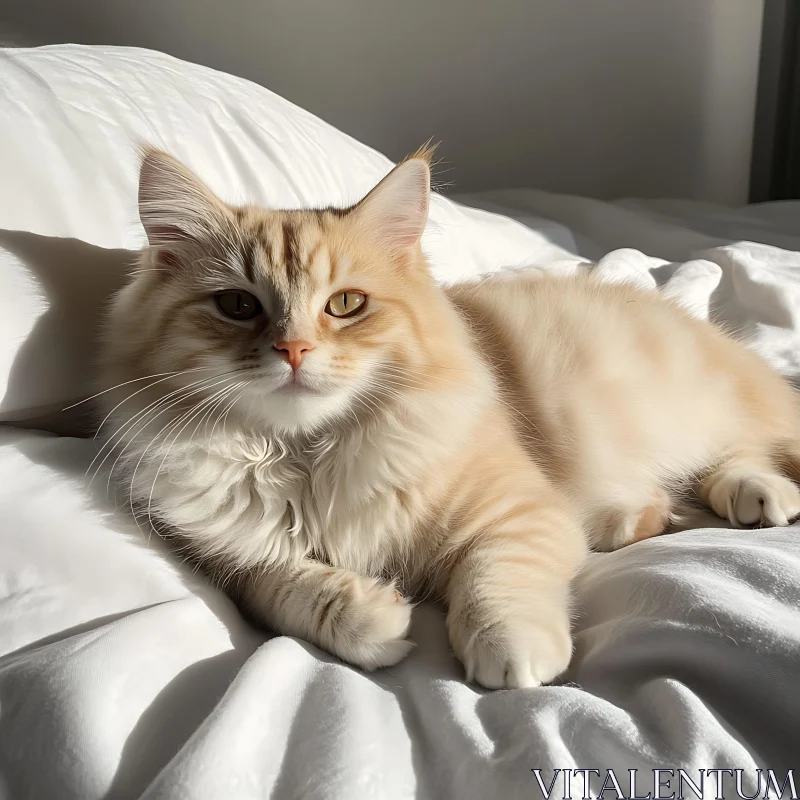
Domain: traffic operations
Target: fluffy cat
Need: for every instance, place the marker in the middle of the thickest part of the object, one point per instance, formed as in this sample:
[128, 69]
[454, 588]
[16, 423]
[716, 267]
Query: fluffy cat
[312, 419]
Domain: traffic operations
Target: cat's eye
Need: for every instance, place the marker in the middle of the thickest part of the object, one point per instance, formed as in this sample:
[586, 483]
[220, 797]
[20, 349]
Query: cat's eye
[237, 304]
[346, 304]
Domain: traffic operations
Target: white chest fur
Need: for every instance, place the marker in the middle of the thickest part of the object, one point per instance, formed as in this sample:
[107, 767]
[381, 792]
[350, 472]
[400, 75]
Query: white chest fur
[250, 499]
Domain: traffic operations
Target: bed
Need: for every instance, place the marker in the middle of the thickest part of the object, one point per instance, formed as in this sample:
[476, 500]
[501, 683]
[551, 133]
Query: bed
[124, 675]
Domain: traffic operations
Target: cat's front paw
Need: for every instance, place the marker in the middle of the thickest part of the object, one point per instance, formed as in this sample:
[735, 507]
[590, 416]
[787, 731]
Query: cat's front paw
[746, 499]
[511, 653]
[367, 624]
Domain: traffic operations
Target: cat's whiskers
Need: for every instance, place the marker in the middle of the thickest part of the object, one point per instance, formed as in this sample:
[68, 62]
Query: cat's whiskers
[130, 442]
[148, 420]
[209, 416]
[211, 407]
[392, 365]
[142, 270]
[136, 418]
[167, 428]
[227, 410]
[145, 421]
[139, 391]
[223, 407]
[176, 421]
[211, 403]
[370, 400]
[141, 416]
[125, 383]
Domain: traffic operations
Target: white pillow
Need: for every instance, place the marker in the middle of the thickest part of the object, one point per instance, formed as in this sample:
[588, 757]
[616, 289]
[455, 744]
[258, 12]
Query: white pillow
[72, 117]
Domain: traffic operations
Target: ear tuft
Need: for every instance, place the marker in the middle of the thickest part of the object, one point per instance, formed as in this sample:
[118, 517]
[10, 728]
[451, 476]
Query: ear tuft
[425, 153]
[396, 210]
[175, 206]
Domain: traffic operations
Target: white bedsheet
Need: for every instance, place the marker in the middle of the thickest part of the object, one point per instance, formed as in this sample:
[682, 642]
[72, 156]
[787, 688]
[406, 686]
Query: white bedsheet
[121, 675]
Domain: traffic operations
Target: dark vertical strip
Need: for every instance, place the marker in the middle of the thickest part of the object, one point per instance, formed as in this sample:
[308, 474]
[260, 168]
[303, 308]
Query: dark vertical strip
[291, 255]
[775, 167]
[249, 258]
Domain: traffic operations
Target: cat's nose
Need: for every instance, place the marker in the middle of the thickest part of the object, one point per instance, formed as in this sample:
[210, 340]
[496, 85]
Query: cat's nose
[293, 352]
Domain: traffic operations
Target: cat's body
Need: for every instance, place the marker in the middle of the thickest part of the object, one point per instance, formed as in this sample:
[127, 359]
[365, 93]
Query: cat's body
[468, 445]
[623, 397]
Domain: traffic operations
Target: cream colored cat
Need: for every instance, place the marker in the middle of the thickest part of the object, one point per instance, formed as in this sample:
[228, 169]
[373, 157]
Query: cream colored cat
[308, 416]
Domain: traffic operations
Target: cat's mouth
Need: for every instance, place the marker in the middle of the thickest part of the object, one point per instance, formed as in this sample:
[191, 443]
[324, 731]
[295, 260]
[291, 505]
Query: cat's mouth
[296, 385]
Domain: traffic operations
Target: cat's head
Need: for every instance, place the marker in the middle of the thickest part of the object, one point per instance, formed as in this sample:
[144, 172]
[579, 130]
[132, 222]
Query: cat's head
[298, 316]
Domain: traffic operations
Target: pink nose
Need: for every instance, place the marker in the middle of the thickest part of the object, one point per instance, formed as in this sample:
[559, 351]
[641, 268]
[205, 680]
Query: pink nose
[293, 352]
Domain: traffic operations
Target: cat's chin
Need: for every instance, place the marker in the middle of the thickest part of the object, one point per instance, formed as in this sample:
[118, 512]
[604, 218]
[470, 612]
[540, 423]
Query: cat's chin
[295, 409]
[294, 390]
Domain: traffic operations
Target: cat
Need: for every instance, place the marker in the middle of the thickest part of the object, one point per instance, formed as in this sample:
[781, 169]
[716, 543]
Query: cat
[312, 419]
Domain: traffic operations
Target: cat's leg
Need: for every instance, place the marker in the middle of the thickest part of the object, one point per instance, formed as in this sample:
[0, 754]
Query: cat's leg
[509, 596]
[620, 527]
[358, 619]
[747, 489]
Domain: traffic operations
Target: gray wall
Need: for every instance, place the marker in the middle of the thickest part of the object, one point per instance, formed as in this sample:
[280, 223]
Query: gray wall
[599, 97]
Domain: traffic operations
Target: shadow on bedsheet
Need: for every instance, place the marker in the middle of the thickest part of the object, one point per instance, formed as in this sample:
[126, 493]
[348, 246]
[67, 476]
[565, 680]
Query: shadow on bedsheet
[170, 720]
[409, 683]
[158, 735]
[75, 281]
[181, 706]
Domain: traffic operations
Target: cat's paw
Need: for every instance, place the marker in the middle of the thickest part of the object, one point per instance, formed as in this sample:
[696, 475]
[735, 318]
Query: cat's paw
[512, 653]
[368, 624]
[766, 499]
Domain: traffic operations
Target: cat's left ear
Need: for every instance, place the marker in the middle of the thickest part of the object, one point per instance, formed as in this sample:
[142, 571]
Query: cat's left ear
[396, 210]
[178, 211]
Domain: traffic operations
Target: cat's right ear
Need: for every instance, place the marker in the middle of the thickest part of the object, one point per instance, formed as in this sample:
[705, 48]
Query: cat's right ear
[396, 210]
[176, 208]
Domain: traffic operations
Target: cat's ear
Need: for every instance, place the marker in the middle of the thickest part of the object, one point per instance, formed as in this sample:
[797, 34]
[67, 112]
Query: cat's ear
[176, 208]
[396, 210]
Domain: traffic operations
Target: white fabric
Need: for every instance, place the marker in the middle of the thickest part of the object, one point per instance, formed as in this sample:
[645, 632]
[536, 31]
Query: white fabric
[71, 120]
[122, 675]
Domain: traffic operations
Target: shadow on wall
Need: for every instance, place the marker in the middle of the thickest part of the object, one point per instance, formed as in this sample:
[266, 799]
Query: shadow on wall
[53, 364]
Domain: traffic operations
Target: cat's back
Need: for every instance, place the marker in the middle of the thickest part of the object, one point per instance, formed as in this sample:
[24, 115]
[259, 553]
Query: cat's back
[612, 379]
[568, 324]
[584, 326]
